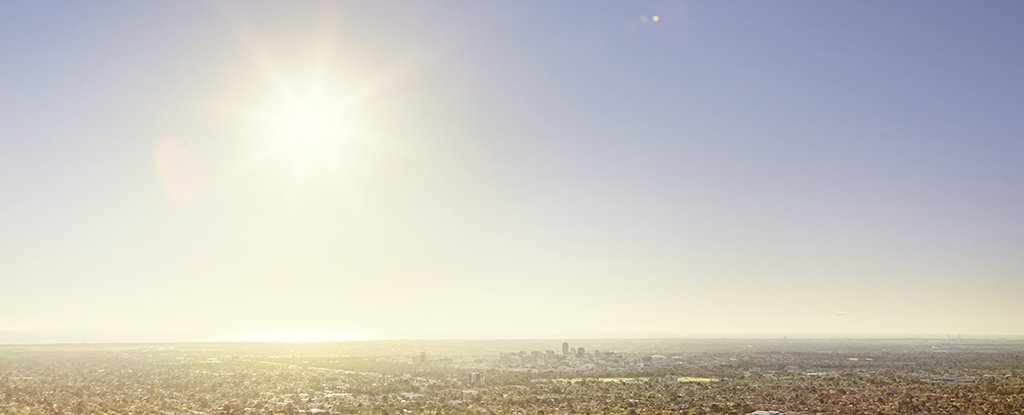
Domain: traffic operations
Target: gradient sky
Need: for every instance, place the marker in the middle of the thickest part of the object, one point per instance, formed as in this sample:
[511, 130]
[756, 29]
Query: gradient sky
[512, 169]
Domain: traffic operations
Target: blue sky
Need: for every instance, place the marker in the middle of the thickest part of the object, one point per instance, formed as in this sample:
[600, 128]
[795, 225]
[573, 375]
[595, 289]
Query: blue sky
[521, 159]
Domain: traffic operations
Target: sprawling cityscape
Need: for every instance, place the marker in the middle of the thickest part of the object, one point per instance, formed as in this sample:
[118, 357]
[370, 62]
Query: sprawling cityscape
[911, 376]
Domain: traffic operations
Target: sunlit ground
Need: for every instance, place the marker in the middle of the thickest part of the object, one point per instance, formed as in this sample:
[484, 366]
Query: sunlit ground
[683, 379]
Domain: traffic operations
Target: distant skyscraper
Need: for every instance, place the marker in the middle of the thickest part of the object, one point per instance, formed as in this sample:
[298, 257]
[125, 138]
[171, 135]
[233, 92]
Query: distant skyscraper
[565, 348]
[476, 378]
[581, 351]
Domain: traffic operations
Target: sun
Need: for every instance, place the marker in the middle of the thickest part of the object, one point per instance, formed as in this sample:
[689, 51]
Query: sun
[306, 114]
[314, 118]
[307, 134]
[311, 126]
[311, 133]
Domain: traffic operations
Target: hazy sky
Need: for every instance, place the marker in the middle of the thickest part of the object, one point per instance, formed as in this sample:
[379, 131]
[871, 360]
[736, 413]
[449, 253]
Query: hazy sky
[194, 170]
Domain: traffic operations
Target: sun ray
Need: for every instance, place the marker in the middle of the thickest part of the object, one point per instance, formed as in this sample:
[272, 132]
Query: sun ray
[313, 124]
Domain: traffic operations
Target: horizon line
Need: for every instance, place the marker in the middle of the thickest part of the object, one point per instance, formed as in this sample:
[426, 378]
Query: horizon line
[876, 337]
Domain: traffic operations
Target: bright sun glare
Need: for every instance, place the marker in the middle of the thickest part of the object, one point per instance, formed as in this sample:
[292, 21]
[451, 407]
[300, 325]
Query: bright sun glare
[310, 116]
[298, 336]
[311, 125]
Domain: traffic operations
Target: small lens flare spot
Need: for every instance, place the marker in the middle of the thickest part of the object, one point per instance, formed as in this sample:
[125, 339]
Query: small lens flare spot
[656, 18]
[177, 169]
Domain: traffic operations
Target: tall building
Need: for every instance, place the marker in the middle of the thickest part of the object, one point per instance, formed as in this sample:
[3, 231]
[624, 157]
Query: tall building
[581, 351]
[565, 348]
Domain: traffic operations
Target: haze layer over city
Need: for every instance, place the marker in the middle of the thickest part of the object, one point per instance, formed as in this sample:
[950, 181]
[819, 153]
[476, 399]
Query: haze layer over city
[329, 171]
